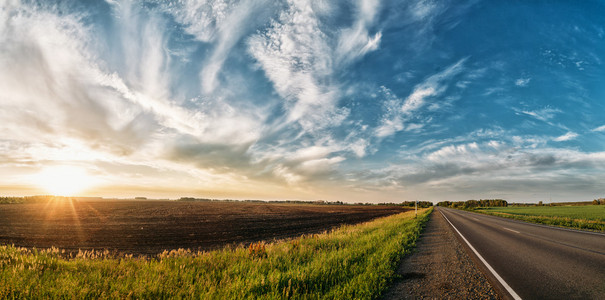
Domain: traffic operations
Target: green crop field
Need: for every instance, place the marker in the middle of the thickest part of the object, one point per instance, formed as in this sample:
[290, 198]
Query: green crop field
[351, 262]
[582, 217]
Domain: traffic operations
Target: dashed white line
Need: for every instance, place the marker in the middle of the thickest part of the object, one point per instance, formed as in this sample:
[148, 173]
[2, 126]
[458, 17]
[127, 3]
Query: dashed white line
[546, 226]
[511, 230]
[502, 282]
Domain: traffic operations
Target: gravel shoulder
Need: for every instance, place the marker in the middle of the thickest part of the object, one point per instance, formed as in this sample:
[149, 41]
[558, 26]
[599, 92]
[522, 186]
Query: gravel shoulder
[440, 268]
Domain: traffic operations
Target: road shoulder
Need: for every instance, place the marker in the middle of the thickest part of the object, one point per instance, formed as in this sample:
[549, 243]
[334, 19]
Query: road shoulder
[440, 268]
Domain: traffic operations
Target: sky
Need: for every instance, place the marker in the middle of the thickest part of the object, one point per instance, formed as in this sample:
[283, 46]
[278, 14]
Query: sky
[355, 101]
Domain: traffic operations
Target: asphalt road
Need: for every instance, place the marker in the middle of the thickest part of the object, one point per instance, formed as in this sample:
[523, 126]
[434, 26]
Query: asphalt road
[535, 261]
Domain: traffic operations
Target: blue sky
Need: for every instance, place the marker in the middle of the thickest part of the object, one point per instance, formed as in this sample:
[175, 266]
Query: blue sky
[364, 100]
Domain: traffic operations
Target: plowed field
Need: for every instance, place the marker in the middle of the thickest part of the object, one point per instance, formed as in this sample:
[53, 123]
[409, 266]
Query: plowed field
[149, 227]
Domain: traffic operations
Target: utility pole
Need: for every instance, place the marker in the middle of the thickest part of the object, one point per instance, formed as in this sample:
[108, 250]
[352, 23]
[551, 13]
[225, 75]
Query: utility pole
[416, 208]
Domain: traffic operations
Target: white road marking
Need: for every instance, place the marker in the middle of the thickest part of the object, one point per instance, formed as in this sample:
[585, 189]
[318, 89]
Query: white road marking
[548, 226]
[538, 225]
[475, 219]
[511, 230]
[502, 282]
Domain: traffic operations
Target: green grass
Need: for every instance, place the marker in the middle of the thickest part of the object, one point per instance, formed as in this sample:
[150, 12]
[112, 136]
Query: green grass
[352, 262]
[590, 217]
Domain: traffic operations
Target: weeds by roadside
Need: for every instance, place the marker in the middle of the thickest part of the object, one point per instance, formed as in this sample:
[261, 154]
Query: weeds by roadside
[352, 262]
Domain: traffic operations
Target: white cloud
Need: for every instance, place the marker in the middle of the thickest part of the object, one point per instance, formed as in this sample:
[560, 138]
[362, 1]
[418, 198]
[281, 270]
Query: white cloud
[309, 164]
[300, 56]
[544, 114]
[315, 166]
[459, 169]
[566, 137]
[47, 76]
[312, 153]
[108, 95]
[453, 152]
[296, 57]
[424, 9]
[416, 99]
[148, 78]
[522, 81]
[394, 118]
[494, 144]
[63, 102]
[359, 147]
[432, 86]
[289, 176]
[221, 24]
[599, 129]
[492, 90]
[202, 19]
[229, 32]
[463, 84]
[355, 42]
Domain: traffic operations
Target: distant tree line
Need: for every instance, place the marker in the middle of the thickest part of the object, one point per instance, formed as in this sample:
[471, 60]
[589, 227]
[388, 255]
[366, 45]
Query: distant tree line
[421, 204]
[30, 199]
[577, 203]
[321, 202]
[470, 204]
[600, 201]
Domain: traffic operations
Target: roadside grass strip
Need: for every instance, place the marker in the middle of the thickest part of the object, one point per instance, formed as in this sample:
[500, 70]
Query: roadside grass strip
[351, 262]
[589, 217]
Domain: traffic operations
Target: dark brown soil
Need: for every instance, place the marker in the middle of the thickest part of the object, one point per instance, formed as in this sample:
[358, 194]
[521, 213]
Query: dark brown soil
[149, 227]
[440, 268]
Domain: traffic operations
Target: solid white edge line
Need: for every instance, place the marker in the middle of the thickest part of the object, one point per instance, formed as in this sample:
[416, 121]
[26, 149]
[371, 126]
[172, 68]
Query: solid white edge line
[502, 282]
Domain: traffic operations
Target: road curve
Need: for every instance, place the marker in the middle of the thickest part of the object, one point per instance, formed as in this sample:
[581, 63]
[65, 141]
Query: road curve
[535, 261]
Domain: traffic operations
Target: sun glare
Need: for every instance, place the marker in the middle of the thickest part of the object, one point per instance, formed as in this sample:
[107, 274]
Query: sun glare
[64, 180]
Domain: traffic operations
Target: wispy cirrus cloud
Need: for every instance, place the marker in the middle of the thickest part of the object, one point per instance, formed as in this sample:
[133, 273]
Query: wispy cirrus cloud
[433, 86]
[296, 57]
[80, 107]
[223, 24]
[398, 111]
[133, 107]
[301, 56]
[298, 98]
[566, 137]
[52, 52]
[392, 119]
[544, 114]
[354, 42]
[599, 129]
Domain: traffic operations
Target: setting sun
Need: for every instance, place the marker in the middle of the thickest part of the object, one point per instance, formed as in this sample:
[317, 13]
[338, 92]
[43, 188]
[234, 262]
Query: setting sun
[64, 180]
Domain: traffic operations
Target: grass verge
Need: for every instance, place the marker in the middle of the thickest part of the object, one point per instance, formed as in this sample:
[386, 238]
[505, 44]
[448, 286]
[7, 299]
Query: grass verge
[351, 262]
[590, 217]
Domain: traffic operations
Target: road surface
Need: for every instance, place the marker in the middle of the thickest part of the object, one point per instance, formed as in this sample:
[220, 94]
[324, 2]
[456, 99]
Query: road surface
[532, 261]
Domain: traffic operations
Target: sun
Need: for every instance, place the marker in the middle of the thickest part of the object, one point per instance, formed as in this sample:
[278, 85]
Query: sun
[64, 180]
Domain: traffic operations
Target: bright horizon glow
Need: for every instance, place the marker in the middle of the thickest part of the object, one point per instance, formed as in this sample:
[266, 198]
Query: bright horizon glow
[64, 180]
